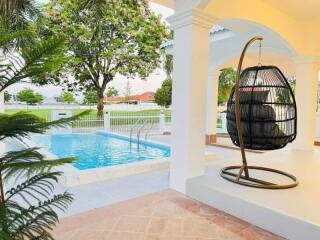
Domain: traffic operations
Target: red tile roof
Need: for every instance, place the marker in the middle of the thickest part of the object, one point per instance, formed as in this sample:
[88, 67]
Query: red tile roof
[144, 97]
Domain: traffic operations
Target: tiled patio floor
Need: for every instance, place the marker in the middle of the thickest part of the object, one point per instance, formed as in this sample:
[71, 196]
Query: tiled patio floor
[166, 215]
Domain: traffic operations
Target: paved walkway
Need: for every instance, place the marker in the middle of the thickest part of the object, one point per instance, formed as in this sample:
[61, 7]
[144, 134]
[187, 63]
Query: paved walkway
[166, 215]
[100, 194]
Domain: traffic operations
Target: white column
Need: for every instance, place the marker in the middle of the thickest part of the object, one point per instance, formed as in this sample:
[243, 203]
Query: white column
[107, 121]
[190, 77]
[307, 72]
[162, 122]
[212, 107]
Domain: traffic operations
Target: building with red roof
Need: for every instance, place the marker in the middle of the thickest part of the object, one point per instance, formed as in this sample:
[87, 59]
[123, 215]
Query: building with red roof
[147, 97]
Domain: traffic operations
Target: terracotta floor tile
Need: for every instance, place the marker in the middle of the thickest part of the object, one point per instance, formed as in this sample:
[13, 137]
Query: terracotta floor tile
[142, 212]
[168, 226]
[132, 224]
[163, 237]
[168, 209]
[124, 236]
[255, 233]
[202, 228]
[86, 234]
[166, 215]
[64, 236]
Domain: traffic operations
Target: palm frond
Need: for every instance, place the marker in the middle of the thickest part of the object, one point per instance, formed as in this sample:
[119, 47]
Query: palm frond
[38, 61]
[28, 162]
[19, 125]
[22, 124]
[9, 40]
[37, 225]
[37, 187]
[4, 235]
[36, 221]
[63, 121]
[17, 14]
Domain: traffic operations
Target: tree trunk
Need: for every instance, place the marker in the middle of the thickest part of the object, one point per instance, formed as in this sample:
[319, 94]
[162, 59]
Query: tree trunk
[100, 104]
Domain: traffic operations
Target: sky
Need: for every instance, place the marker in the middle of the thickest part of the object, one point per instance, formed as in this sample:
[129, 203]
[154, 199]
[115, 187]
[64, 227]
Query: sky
[137, 85]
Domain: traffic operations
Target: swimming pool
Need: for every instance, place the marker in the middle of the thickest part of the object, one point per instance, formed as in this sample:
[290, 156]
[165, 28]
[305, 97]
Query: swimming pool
[94, 150]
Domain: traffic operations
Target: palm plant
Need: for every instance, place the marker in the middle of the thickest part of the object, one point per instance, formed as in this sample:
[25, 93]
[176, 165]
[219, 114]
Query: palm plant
[16, 14]
[29, 207]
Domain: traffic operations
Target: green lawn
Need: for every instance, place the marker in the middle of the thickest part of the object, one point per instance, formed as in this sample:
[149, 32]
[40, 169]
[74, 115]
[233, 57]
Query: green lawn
[118, 117]
[46, 113]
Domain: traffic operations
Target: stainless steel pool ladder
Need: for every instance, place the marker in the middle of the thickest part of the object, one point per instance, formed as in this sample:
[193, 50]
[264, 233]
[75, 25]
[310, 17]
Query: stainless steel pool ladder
[135, 125]
[148, 131]
[145, 121]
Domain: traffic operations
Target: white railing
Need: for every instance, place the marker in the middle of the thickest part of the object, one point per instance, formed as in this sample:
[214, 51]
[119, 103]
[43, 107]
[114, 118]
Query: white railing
[126, 122]
[88, 122]
[61, 106]
[156, 121]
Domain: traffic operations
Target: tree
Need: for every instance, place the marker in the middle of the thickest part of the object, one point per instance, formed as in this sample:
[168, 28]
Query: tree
[168, 65]
[105, 38]
[32, 177]
[7, 96]
[127, 91]
[18, 12]
[90, 96]
[17, 16]
[163, 96]
[112, 92]
[283, 96]
[67, 97]
[227, 79]
[28, 96]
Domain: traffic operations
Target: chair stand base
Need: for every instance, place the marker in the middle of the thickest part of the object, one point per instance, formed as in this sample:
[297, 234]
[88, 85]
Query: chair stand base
[245, 180]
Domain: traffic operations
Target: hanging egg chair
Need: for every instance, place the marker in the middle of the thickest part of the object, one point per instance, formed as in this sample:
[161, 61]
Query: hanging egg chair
[261, 115]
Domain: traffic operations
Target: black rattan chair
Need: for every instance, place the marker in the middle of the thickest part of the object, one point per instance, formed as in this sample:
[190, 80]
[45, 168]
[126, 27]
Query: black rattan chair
[261, 115]
[267, 108]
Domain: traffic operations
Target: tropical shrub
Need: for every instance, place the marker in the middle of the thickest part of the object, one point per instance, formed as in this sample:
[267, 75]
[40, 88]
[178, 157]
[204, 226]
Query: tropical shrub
[29, 205]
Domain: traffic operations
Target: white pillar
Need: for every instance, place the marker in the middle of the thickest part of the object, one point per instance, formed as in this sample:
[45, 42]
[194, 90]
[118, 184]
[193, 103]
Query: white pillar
[212, 107]
[107, 121]
[307, 72]
[162, 122]
[190, 77]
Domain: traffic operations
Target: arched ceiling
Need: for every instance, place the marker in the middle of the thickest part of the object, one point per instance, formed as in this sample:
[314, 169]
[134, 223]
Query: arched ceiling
[295, 21]
[306, 10]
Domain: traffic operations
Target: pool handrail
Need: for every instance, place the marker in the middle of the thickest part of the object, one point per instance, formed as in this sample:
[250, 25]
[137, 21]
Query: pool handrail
[148, 131]
[132, 128]
[139, 131]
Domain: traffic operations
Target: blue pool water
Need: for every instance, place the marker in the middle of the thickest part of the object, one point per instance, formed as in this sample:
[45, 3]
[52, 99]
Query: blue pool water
[99, 149]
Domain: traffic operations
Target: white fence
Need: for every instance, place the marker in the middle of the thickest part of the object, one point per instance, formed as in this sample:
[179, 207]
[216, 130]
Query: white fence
[48, 106]
[150, 122]
[109, 107]
[133, 119]
[126, 122]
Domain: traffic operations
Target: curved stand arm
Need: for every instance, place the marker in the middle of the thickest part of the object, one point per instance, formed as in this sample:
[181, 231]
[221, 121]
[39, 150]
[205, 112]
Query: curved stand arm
[237, 107]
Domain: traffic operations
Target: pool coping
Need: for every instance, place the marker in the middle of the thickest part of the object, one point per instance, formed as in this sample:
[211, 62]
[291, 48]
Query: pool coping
[74, 177]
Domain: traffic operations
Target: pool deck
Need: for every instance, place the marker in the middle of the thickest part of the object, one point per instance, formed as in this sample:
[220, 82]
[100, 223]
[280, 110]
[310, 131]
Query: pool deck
[141, 206]
[127, 187]
[99, 194]
[166, 215]
[121, 188]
